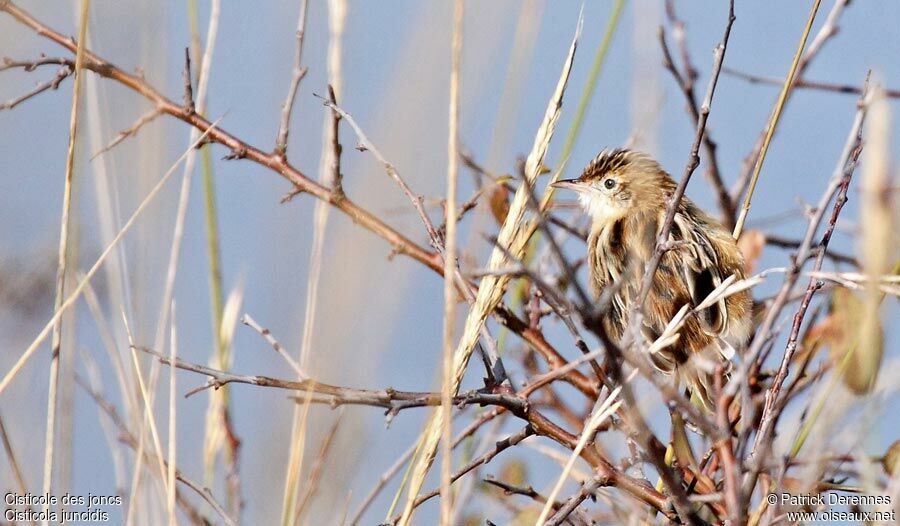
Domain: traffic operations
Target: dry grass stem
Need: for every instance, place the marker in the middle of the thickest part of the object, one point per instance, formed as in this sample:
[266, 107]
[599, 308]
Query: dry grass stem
[776, 114]
[63, 255]
[512, 236]
[447, 387]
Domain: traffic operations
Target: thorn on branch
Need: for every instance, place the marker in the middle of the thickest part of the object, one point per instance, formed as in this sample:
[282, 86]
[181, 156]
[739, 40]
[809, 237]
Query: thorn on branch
[236, 154]
[188, 108]
[337, 177]
[291, 195]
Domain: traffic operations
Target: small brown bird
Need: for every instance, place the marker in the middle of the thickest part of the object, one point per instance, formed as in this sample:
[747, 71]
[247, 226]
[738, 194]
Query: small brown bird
[625, 193]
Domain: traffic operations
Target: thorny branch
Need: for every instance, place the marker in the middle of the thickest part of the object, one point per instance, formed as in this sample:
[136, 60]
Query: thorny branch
[395, 401]
[837, 186]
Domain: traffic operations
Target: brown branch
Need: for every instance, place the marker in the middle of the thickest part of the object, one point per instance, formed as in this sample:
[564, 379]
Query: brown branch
[391, 399]
[239, 148]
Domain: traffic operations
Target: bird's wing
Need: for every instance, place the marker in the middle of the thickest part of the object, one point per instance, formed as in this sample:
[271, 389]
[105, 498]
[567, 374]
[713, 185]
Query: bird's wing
[700, 271]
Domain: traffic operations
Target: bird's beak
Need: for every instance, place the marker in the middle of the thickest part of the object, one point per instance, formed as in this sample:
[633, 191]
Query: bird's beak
[569, 184]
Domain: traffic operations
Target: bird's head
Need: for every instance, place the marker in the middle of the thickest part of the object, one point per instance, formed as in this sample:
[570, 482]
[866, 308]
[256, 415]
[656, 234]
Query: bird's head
[618, 183]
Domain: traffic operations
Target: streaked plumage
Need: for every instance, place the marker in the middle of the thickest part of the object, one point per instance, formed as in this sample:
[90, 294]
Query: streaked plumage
[625, 192]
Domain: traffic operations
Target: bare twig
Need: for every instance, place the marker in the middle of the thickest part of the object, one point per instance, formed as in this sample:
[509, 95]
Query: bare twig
[685, 81]
[417, 201]
[267, 335]
[31, 65]
[298, 73]
[53, 83]
[128, 438]
[128, 132]
[389, 398]
[315, 473]
[837, 185]
[837, 257]
[572, 503]
[848, 89]
[482, 460]
[239, 148]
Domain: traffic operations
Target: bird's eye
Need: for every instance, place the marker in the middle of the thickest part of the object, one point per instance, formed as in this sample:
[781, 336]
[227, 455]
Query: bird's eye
[609, 184]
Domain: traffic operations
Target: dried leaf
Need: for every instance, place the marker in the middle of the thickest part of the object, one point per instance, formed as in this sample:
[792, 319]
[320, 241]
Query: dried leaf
[861, 369]
[499, 202]
[751, 244]
[681, 444]
[891, 460]
[514, 472]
